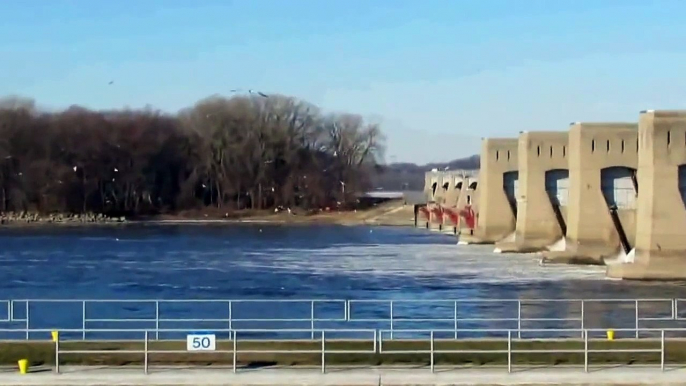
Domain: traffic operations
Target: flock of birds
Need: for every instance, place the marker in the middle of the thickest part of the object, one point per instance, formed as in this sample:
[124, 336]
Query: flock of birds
[236, 90]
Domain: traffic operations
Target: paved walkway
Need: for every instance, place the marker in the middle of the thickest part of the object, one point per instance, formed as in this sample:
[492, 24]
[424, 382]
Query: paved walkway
[82, 376]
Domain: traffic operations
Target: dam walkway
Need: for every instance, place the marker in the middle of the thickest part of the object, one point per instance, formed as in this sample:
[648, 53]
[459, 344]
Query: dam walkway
[87, 376]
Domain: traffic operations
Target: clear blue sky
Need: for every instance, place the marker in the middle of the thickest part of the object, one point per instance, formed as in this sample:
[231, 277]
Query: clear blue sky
[440, 74]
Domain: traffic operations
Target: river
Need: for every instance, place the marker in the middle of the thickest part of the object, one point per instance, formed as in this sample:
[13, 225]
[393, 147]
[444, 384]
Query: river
[293, 262]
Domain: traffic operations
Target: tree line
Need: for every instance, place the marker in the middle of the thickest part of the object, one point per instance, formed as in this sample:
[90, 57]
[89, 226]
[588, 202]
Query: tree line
[242, 152]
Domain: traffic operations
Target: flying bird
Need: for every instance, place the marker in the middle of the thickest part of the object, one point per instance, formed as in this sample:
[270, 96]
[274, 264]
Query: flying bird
[258, 93]
[111, 82]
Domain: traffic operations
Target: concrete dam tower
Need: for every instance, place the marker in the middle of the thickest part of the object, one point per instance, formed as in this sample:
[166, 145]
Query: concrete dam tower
[603, 158]
[542, 193]
[660, 250]
[496, 202]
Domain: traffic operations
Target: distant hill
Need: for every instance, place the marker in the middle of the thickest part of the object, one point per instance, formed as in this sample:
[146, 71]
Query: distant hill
[409, 176]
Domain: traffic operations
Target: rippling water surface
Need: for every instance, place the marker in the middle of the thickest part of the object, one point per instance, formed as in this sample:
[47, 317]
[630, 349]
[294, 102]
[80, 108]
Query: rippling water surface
[280, 262]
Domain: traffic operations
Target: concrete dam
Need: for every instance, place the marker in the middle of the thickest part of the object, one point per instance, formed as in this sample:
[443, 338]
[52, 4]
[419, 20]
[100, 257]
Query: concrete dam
[611, 194]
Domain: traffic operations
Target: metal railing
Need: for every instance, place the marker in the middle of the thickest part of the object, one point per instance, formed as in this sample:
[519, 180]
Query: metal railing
[378, 343]
[474, 315]
[432, 351]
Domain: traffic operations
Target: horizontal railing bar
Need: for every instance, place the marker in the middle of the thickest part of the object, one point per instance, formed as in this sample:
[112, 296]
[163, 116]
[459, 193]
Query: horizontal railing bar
[395, 319]
[534, 330]
[661, 318]
[104, 301]
[114, 352]
[334, 330]
[550, 319]
[215, 320]
[279, 351]
[423, 301]
[626, 350]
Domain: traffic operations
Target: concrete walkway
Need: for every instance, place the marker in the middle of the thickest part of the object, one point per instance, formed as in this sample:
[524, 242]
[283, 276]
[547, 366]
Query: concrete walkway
[81, 376]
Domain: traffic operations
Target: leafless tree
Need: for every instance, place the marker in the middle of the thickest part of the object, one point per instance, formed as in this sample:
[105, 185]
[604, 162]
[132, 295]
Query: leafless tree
[241, 152]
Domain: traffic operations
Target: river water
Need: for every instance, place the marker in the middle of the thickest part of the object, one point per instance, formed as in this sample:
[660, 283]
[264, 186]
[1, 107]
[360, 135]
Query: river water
[426, 274]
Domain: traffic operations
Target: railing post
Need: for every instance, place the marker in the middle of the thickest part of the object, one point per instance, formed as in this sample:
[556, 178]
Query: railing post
[83, 320]
[432, 351]
[583, 317]
[636, 309]
[346, 311]
[235, 351]
[509, 351]
[586, 351]
[28, 324]
[519, 319]
[145, 359]
[323, 352]
[57, 354]
[662, 351]
[676, 309]
[380, 340]
[391, 319]
[230, 317]
[10, 310]
[455, 318]
[157, 320]
[674, 313]
[312, 319]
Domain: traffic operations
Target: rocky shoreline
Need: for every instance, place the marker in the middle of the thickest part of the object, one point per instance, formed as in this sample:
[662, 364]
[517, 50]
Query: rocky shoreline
[12, 218]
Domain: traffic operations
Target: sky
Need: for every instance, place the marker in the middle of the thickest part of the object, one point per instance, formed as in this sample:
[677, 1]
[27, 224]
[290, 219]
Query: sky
[438, 74]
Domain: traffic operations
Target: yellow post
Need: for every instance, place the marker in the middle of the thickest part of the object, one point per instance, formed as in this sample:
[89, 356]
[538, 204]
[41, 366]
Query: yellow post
[55, 336]
[610, 335]
[23, 366]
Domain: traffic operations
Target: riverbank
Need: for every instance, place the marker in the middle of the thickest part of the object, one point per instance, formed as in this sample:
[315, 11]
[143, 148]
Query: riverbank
[27, 218]
[393, 213]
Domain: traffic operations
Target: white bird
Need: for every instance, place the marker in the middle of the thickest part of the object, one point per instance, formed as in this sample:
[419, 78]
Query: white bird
[116, 170]
[76, 168]
[258, 93]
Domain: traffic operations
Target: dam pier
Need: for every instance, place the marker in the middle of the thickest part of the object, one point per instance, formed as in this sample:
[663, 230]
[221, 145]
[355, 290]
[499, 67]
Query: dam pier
[610, 194]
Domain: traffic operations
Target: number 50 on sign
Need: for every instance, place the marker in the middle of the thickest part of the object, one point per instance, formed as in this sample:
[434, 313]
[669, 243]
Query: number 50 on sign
[201, 342]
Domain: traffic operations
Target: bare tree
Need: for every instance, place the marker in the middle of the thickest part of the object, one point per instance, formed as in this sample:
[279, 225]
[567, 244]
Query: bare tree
[252, 151]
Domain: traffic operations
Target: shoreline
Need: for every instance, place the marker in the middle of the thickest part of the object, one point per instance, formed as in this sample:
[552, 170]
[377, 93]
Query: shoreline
[388, 214]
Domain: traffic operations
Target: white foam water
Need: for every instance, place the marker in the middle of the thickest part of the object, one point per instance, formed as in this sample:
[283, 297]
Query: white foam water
[440, 261]
[558, 246]
[622, 257]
